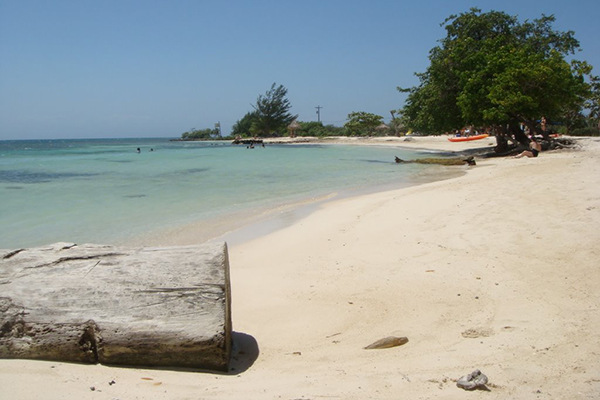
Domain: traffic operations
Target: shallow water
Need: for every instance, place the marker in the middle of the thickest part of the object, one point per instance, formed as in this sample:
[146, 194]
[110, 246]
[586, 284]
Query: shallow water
[103, 191]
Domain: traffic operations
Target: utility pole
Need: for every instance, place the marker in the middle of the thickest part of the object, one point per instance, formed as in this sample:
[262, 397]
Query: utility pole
[318, 113]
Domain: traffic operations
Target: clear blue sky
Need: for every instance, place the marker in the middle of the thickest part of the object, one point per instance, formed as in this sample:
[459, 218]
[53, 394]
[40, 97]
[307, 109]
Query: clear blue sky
[94, 69]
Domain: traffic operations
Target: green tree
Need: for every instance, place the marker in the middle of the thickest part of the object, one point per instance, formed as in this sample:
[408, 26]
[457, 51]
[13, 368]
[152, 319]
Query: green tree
[493, 71]
[243, 126]
[312, 128]
[396, 124]
[593, 105]
[362, 123]
[272, 112]
[317, 129]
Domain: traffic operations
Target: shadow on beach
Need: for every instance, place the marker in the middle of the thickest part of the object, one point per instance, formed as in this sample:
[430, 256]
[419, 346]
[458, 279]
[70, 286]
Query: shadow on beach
[245, 351]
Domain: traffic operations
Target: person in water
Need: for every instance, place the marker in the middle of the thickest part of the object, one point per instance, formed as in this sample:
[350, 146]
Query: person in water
[532, 152]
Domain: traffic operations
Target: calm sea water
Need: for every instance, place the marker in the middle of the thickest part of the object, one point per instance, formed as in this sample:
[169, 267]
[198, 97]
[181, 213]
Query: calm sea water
[103, 191]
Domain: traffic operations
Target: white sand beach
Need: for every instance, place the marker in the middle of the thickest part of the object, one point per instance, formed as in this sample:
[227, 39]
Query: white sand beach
[495, 270]
[434, 143]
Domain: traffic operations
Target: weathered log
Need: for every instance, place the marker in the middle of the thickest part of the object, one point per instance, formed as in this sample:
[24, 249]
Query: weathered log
[165, 306]
[439, 161]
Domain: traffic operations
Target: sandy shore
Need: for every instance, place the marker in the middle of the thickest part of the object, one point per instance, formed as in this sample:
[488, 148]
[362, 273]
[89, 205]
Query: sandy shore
[433, 143]
[495, 270]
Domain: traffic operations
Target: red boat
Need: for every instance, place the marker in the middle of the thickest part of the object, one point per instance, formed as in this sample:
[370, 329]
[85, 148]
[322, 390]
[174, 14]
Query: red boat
[468, 138]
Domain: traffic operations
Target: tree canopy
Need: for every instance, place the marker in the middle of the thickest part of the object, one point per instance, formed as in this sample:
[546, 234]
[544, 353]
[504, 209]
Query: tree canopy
[243, 126]
[493, 71]
[270, 117]
[315, 128]
[593, 103]
[272, 112]
[362, 123]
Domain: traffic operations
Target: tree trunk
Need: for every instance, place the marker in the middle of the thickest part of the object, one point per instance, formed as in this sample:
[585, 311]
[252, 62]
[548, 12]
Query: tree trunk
[516, 131]
[128, 306]
[501, 144]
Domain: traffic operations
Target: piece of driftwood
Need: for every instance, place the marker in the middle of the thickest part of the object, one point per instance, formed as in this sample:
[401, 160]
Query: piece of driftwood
[166, 306]
[439, 161]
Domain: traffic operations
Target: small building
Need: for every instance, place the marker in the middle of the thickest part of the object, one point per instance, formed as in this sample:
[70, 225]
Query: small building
[293, 127]
[382, 129]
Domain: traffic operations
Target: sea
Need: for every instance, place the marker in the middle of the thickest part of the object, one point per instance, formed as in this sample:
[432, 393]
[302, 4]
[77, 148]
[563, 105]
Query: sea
[104, 191]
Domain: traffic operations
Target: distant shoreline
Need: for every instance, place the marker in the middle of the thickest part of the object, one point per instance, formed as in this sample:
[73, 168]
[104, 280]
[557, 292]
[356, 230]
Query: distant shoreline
[241, 228]
[426, 143]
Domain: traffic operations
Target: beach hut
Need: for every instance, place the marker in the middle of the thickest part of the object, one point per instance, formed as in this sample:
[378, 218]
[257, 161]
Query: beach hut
[382, 129]
[293, 127]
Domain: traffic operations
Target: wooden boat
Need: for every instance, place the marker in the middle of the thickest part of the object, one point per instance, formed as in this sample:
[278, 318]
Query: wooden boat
[468, 138]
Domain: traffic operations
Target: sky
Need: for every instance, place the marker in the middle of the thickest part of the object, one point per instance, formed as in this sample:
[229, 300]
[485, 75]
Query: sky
[131, 68]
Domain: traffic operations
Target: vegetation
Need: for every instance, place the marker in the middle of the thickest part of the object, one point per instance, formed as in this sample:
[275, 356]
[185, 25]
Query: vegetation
[490, 72]
[272, 112]
[396, 125]
[493, 71]
[591, 124]
[243, 127]
[319, 130]
[271, 115]
[201, 134]
[362, 123]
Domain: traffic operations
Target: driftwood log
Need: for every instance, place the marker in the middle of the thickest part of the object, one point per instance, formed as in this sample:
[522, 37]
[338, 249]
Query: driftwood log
[439, 161]
[127, 306]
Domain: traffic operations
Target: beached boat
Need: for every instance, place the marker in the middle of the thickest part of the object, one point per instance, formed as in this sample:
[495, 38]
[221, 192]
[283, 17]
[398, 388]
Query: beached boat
[467, 138]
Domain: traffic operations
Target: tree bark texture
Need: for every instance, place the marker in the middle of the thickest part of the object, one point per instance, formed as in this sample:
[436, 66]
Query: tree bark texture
[166, 306]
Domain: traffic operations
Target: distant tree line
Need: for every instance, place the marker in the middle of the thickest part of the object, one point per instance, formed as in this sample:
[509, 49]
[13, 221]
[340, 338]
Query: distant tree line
[271, 117]
[201, 134]
[317, 129]
[491, 72]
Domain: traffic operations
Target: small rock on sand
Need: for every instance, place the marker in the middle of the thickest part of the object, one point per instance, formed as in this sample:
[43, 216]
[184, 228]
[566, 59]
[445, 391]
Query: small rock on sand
[386, 343]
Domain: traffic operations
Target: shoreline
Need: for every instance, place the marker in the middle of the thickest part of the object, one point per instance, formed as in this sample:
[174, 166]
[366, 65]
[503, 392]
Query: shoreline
[433, 144]
[239, 227]
[289, 214]
[493, 270]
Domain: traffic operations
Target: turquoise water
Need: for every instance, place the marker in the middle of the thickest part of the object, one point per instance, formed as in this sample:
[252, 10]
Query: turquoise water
[103, 191]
